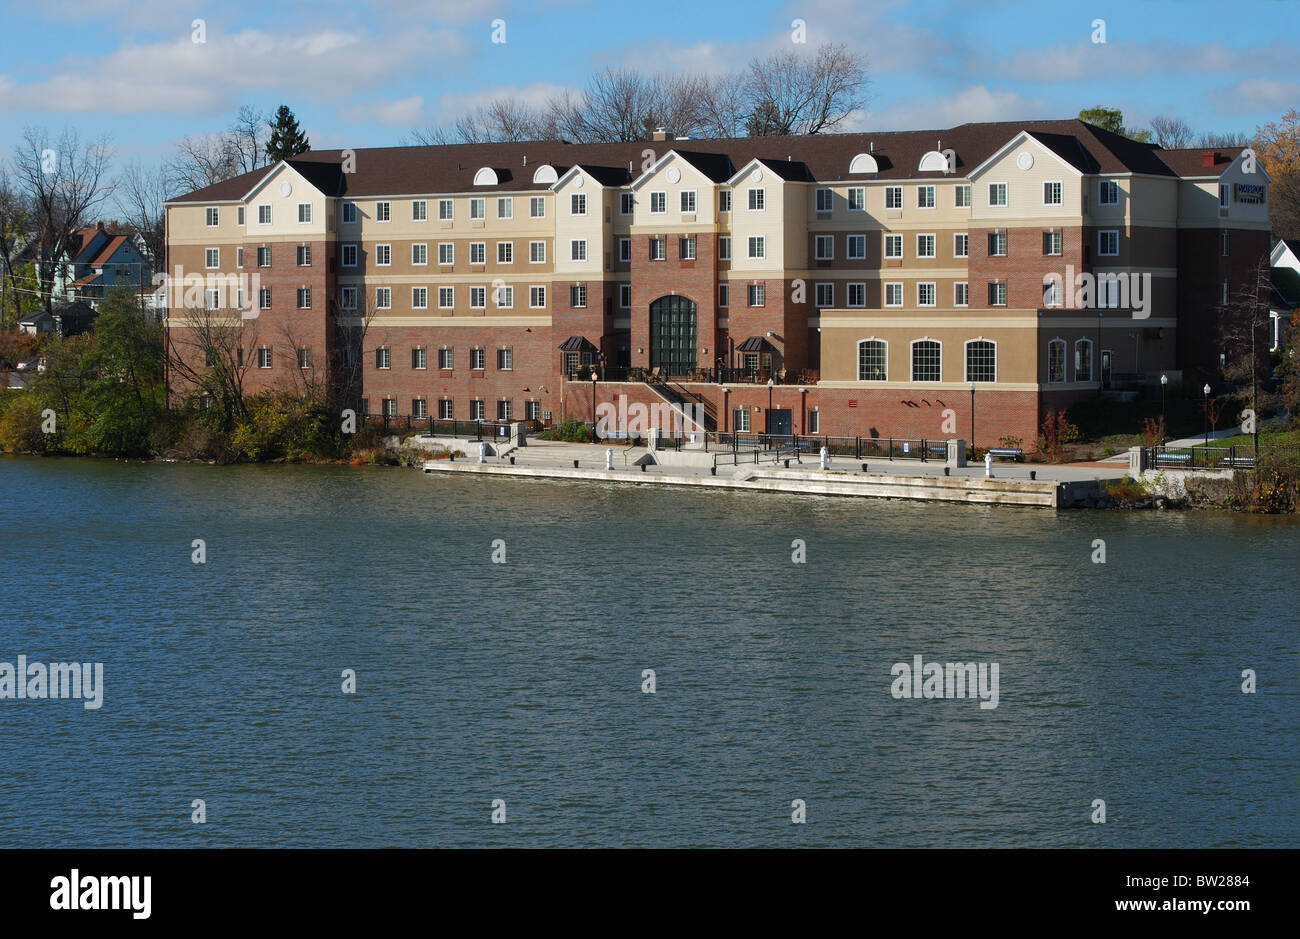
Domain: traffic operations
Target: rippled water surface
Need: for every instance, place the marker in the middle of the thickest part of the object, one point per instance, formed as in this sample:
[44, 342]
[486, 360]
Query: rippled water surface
[522, 681]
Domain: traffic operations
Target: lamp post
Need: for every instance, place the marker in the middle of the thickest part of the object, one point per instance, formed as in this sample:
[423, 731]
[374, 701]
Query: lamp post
[767, 418]
[972, 418]
[1164, 382]
[593, 405]
[1205, 406]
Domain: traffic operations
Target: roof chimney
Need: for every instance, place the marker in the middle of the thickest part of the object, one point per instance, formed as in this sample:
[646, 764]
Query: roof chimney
[659, 134]
[1209, 157]
[525, 159]
[871, 147]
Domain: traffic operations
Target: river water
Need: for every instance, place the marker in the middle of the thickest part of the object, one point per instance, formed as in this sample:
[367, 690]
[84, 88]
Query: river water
[523, 681]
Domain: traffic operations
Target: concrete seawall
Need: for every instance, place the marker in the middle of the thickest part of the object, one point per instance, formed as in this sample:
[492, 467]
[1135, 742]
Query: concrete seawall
[981, 491]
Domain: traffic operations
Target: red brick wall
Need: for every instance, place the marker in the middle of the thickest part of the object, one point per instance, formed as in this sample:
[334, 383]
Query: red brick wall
[696, 280]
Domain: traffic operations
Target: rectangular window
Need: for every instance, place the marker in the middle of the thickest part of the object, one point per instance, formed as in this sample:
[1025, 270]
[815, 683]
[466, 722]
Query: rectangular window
[997, 244]
[477, 359]
[658, 249]
[824, 295]
[349, 255]
[1108, 243]
[505, 207]
[264, 357]
[304, 298]
[824, 245]
[686, 249]
[477, 209]
[537, 297]
[1051, 242]
[1056, 360]
[926, 360]
[625, 203]
[419, 298]
[857, 294]
[1224, 244]
[893, 246]
[445, 359]
[1223, 197]
[239, 257]
[893, 294]
[1051, 193]
[961, 245]
[997, 193]
[419, 254]
[814, 422]
[724, 294]
[981, 360]
[505, 297]
[1108, 192]
[304, 255]
[446, 252]
[446, 210]
[578, 203]
[477, 298]
[825, 200]
[419, 359]
[445, 410]
[532, 410]
[348, 298]
[537, 207]
[857, 247]
[446, 298]
[383, 211]
[961, 196]
[476, 410]
[383, 255]
[213, 217]
[349, 213]
[383, 298]
[625, 250]
[578, 295]
[419, 408]
[925, 247]
[505, 252]
[264, 298]
[658, 203]
[390, 407]
[925, 294]
[758, 245]
[1083, 360]
[757, 198]
[961, 293]
[212, 257]
[724, 200]
[688, 201]
[625, 296]
[757, 294]
[213, 300]
[304, 213]
[893, 197]
[505, 360]
[724, 247]
[239, 215]
[419, 210]
[383, 358]
[997, 293]
[925, 197]
[478, 252]
[578, 249]
[264, 215]
[740, 420]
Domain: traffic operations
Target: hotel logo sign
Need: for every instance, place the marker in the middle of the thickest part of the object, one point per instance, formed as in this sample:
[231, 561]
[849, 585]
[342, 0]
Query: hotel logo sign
[1249, 193]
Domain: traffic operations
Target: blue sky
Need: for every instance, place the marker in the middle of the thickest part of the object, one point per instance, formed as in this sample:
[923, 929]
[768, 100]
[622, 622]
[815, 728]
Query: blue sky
[364, 74]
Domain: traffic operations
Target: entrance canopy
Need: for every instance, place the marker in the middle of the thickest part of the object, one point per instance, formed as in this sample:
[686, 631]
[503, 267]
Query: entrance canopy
[577, 344]
[756, 344]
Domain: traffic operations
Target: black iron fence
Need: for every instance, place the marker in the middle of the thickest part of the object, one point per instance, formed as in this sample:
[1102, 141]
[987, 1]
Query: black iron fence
[1203, 457]
[860, 448]
[446, 427]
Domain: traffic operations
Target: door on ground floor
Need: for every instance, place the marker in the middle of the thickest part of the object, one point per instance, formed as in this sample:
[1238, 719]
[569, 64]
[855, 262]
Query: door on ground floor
[1105, 368]
[779, 421]
[672, 335]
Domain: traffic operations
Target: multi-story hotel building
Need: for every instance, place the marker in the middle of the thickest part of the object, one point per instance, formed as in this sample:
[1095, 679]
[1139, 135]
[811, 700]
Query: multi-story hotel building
[891, 284]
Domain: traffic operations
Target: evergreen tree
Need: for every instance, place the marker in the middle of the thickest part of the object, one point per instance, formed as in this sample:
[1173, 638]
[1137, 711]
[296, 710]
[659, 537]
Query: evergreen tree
[286, 138]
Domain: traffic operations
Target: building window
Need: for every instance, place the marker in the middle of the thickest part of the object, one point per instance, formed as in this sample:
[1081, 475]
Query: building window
[304, 358]
[537, 207]
[478, 252]
[961, 293]
[686, 248]
[578, 203]
[213, 217]
[1083, 360]
[348, 298]
[857, 247]
[505, 297]
[960, 245]
[419, 254]
[997, 244]
[212, 257]
[477, 359]
[304, 255]
[893, 197]
[349, 255]
[1108, 192]
[419, 210]
[445, 409]
[264, 215]
[264, 357]
[477, 209]
[505, 360]
[624, 250]
[477, 298]
[893, 246]
[658, 203]
[390, 407]
[505, 252]
[383, 358]
[724, 294]
[925, 246]
[824, 295]
[824, 245]
[626, 201]
[961, 196]
[505, 207]
[383, 255]
[757, 200]
[383, 298]
[537, 297]
[825, 200]
[658, 249]
[814, 421]
[758, 245]
[1223, 197]
[349, 213]
[304, 298]
[688, 201]
[724, 200]
[578, 249]
[476, 410]
[1224, 244]
[625, 296]
[264, 298]
[532, 410]
[925, 294]
[981, 360]
[857, 294]
[446, 210]
[239, 215]
[856, 197]
[893, 294]
[239, 257]
[264, 256]
[1051, 193]
[997, 194]
[724, 247]
[873, 360]
[578, 295]
[419, 408]
[446, 252]
[757, 294]
[997, 293]
[925, 197]
[740, 420]
[213, 301]
[419, 298]
[1108, 243]
[304, 213]
[1051, 242]
[383, 211]
[446, 298]
[536, 252]
[926, 360]
[445, 358]
[1056, 360]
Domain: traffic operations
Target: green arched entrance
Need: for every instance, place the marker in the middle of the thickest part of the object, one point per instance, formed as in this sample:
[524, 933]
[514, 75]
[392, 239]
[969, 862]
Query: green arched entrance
[672, 335]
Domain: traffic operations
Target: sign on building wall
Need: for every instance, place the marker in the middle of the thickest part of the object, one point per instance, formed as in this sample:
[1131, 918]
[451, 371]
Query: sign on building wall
[1249, 193]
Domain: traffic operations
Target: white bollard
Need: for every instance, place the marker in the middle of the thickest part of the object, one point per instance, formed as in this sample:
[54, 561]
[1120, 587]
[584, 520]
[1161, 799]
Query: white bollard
[988, 465]
[482, 452]
[609, 458]
[826, 458]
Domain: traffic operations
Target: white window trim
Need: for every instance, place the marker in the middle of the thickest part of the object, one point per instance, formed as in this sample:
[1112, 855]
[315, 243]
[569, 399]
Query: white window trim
[206, 253]
[884, 298]
[848, 294]
[965, 358]
[955, 236]
[1100, 235]
[817, 290]
[356, 254]
[762, 191]
[573, 250]
[681, 195]
[849, 241]
[1006, 193]
[762, 245]
[307, 221]
[389, 252]
[884, 247]
[530, 252]
[388, 212]
[208, 213]
[416, 245]
[414, 203]
[446, 244]
[818, 240]
[848, 198]
[1065, 361]
[911, 358]
[858, 358]
[934, 191]
[664, 210]
[414, 293]
[1102, 186]
[531, 304]
[955, 285]
[934, 240]
[1054, 182]
[934, 292]
[270, 214]
[452, 304]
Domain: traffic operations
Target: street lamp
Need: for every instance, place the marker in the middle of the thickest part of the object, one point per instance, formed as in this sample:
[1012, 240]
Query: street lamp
[1205, 406]
[972, 419]
[593, 405]
[1164, 381]
[771, 383]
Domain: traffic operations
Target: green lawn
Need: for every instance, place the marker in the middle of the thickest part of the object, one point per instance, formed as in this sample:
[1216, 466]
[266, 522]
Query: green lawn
[1267, 438]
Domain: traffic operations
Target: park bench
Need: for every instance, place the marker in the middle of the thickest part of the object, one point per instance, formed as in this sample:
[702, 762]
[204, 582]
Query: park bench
[1245, 462]
[1173, 459]
[1006, 453]
[939, 450]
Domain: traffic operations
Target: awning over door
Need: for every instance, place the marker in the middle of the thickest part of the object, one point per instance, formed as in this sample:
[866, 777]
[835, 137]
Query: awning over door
[756, 344]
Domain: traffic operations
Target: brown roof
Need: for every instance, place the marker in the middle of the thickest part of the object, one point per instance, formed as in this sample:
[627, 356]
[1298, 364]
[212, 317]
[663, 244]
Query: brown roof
[396, 171]
[108, 251]
[1188, 161]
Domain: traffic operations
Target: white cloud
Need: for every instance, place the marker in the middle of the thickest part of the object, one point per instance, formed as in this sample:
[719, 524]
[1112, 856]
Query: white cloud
[404, 112]
[1251, 95]
[974, 103]
[453, 106]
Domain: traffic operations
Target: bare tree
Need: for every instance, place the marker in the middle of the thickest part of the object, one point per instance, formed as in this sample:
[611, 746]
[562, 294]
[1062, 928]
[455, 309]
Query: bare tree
[206, 356]
[1171, 133]
[722, 105]
[1229, 139]
[808, 94]
[247, 139]
[202, 160]
[64, 181]
[141, 192]
[562, 118]
[1242, 333]
[15, 232]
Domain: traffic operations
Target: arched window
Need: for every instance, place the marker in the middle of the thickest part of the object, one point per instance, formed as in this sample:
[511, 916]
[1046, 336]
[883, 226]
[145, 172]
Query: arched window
[933, 162]
[1056, 360]
[486, 176]
[873, 360]
[863, 163]
[926, 360]
[1083, 360]
[981, 360]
